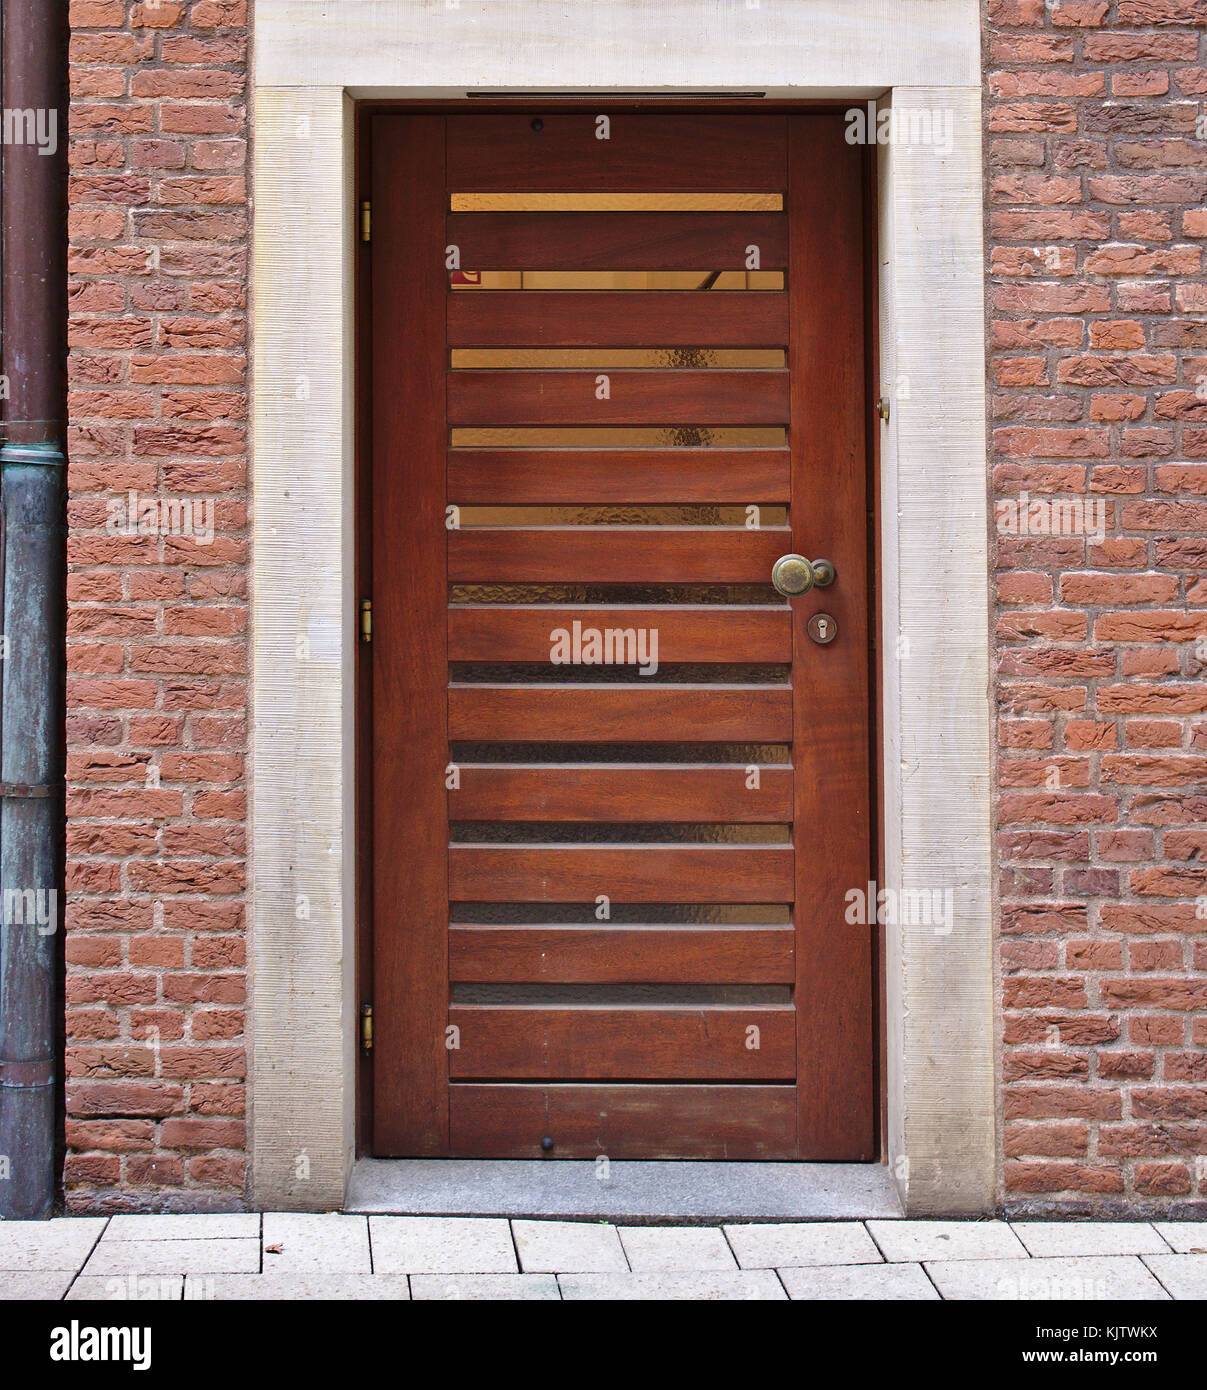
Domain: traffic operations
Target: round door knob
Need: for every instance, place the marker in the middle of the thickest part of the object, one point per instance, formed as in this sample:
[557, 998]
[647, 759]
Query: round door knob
[792, 574]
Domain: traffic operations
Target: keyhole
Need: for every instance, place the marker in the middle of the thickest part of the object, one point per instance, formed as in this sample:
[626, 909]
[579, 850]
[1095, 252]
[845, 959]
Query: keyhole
[822, 628]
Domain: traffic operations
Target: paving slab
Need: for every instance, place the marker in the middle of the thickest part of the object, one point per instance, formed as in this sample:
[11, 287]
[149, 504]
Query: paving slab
[946, 1240]
[1089, 1237]
[1186, 1237]
[1091, 1277]
[143, 1257]
[853, 1283]
[697, 1192]
[707, 1285]
[504, 1287]
[441, 1245]
[315, 1242]
[186, 1226]
[115, 1288]
[568, 1247]
[41, 1285]
[653, 1248]
[1184, 1276]
[64, 1242]
[291, 1287]
[803, 1243]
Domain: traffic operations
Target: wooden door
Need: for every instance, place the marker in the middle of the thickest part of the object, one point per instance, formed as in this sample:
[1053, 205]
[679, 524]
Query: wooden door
[621, 794]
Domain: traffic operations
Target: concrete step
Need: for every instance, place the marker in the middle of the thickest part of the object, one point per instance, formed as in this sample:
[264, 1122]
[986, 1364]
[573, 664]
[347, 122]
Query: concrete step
[633, 1191]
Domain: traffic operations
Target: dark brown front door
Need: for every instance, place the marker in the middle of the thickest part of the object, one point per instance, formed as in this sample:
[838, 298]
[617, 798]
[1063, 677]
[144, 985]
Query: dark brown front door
[621, 792]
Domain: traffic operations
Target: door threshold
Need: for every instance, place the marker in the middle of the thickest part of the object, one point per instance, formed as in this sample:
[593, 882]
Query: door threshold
[642, 1192]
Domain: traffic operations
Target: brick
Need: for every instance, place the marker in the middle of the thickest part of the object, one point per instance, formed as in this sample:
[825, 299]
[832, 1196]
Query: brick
[1033, 115]
[1081, 13]
[165, 310]
[1120, 361]
[1163, 1179]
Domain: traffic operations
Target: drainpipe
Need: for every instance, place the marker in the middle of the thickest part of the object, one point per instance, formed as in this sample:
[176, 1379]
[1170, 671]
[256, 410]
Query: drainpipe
[33, 356]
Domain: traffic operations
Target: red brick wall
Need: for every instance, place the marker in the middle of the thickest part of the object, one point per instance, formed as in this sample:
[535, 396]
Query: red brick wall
[157, 659]
[1097, 180]
[1097, 214]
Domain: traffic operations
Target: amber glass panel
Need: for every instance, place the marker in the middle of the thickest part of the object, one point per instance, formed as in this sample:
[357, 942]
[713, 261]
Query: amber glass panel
[704, 279]
[611, 437]
[723, 914]
[613, 593]
[635, 514]
[668, 673]
[616, 202]
[614, 833]
[620, 994]
[745, 754]
[551, 359]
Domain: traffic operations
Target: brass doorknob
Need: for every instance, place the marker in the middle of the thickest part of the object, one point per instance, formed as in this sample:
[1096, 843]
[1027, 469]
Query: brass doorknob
[793, 574]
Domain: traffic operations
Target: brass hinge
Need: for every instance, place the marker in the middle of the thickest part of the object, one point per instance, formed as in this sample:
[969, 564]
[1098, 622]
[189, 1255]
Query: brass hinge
[366, 620]
[882, 408]
[366, 1028]
[366, 220]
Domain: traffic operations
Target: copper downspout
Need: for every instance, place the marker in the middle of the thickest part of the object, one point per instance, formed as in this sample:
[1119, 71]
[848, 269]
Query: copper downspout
[33, 359]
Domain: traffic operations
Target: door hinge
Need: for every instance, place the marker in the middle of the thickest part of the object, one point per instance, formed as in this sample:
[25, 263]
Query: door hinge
[366, 220]
[882, 408]
[366, 620]
[366, 1028]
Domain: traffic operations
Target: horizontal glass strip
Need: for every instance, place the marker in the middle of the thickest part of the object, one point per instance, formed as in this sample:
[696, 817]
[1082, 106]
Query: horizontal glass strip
[608, 833]
[599, 673]
[620, 914]
[616, 202]
[720, 594]
[619, 437]
[695, 358]
[748, 754]
[638, 514]
[704, 280]
[621, 995]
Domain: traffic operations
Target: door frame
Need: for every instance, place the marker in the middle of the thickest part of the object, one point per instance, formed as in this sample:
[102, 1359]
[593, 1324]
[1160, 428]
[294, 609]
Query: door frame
[940, 1137]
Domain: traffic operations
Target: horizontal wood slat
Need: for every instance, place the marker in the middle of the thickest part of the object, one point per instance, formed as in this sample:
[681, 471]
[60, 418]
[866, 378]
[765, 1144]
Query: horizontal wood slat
[626, 873]
[590, 1042]
[619, 241]
[636, 397]
[747, 1122]
[502, 477]
[612, 714]
[622, 954]
[615, 554]
[618, 318]
[620, 792]
[702, 633]
[645, 152]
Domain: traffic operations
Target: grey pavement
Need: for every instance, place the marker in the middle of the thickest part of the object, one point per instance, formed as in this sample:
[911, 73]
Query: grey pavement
[291, 1255]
